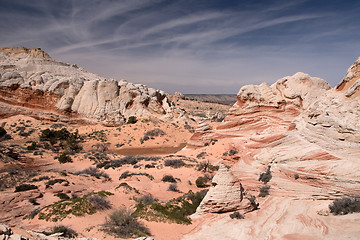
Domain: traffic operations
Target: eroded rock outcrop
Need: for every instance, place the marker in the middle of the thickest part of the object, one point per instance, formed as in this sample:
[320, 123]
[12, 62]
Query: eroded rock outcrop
[31, 80]
[226, 195]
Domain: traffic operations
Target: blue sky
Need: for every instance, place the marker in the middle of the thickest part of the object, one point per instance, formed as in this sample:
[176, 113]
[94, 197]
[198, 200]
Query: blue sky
[192, 46]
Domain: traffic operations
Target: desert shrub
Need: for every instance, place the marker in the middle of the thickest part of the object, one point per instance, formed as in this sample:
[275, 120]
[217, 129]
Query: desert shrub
[64, 158]
[175, 163]
[345, 205]
[99, 203]
[128, 187]
[151, 134]
[62, 196]
[33, 213]
[202, 182]
[252, 200]
[125, 160]
[237, 215]
[265, 177]
[201, 155]
[92, 171]
[98, 135]
[147, 199]
[33, 201]
[264, 191]
[207, 166]
[168, 178]
[176, 210]
[173, 187]
[296, 176]
[2, 132]
[128, 174]
[25, 187]
[66, 231]
[74, 206]
[131, 120]
[68, 140]
[122, 223]
[57, 180]
[149, 166]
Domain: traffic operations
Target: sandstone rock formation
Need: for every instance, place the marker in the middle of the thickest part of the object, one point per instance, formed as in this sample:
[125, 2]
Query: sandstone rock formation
[31, 80]
[226, 195]
[309, 134]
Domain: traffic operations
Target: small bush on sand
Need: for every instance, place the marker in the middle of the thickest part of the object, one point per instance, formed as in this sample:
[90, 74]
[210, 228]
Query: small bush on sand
[207, 166]
[92, 171]
[345, 205]
[237, 215]
[173, 187]
[99, 203]
[168, 178]
[175, 163]
[62, 196]
[131, 120]
[264, 191]
[67, 232]
[33, 213]
[122, 223]
[265, 177]
[147, 199]
[202, 182]
[64, 158]
[25, 187]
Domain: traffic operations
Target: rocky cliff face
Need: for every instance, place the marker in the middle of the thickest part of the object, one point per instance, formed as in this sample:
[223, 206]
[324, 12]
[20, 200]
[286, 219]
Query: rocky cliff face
[308, 134]
[31, 80]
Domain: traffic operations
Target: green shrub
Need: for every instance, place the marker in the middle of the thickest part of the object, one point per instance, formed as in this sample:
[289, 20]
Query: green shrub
[128, 187]
[128, 174]
[202, 182]
[57, 180]
[175, 163]
[122, 223]
[236, 215]
[173, 187]
[168, 178]
[131, 120]
[25, 187]
[67, 232]
[207, 166]
[264, 191]
[345, 205]
[93, 172]
[147, 199]
[99, 203]
[64, 158]
[265, 177]
[176, 210]
[62, 196]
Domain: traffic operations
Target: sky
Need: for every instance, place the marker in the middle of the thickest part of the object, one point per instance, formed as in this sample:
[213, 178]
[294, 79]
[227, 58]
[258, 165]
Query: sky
[191, 46]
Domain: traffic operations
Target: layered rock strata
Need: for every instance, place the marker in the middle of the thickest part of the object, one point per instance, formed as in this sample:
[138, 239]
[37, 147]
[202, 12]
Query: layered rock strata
[32, 83]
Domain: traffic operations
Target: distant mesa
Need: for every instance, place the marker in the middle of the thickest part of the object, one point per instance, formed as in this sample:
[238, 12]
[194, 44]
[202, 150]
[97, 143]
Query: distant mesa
[34, 84]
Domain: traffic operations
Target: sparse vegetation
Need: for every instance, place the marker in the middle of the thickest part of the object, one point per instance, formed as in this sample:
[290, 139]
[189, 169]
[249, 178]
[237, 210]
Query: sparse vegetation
[99, 203]
[131, 120]
[237, 215]
[68, 141]
[2, 132]
[98, 135]
[206, 166]
[67, 232]
[202, 182]
[57, 180]
[75, 206]
[128, 187]
[128, 174]
[62, 196]
[264, 191]
[92, 171]
[173, 187]
[176, 210]
[25, 187]
[168, 178]
[345, 205]
[64, 158]
[152, 134]
[33, 213]
[125, 160]
[122, 223]
[175, 163]
[265, 177]
[147, 199]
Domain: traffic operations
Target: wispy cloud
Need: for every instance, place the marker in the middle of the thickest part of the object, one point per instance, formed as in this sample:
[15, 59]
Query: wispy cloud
[187, 42]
